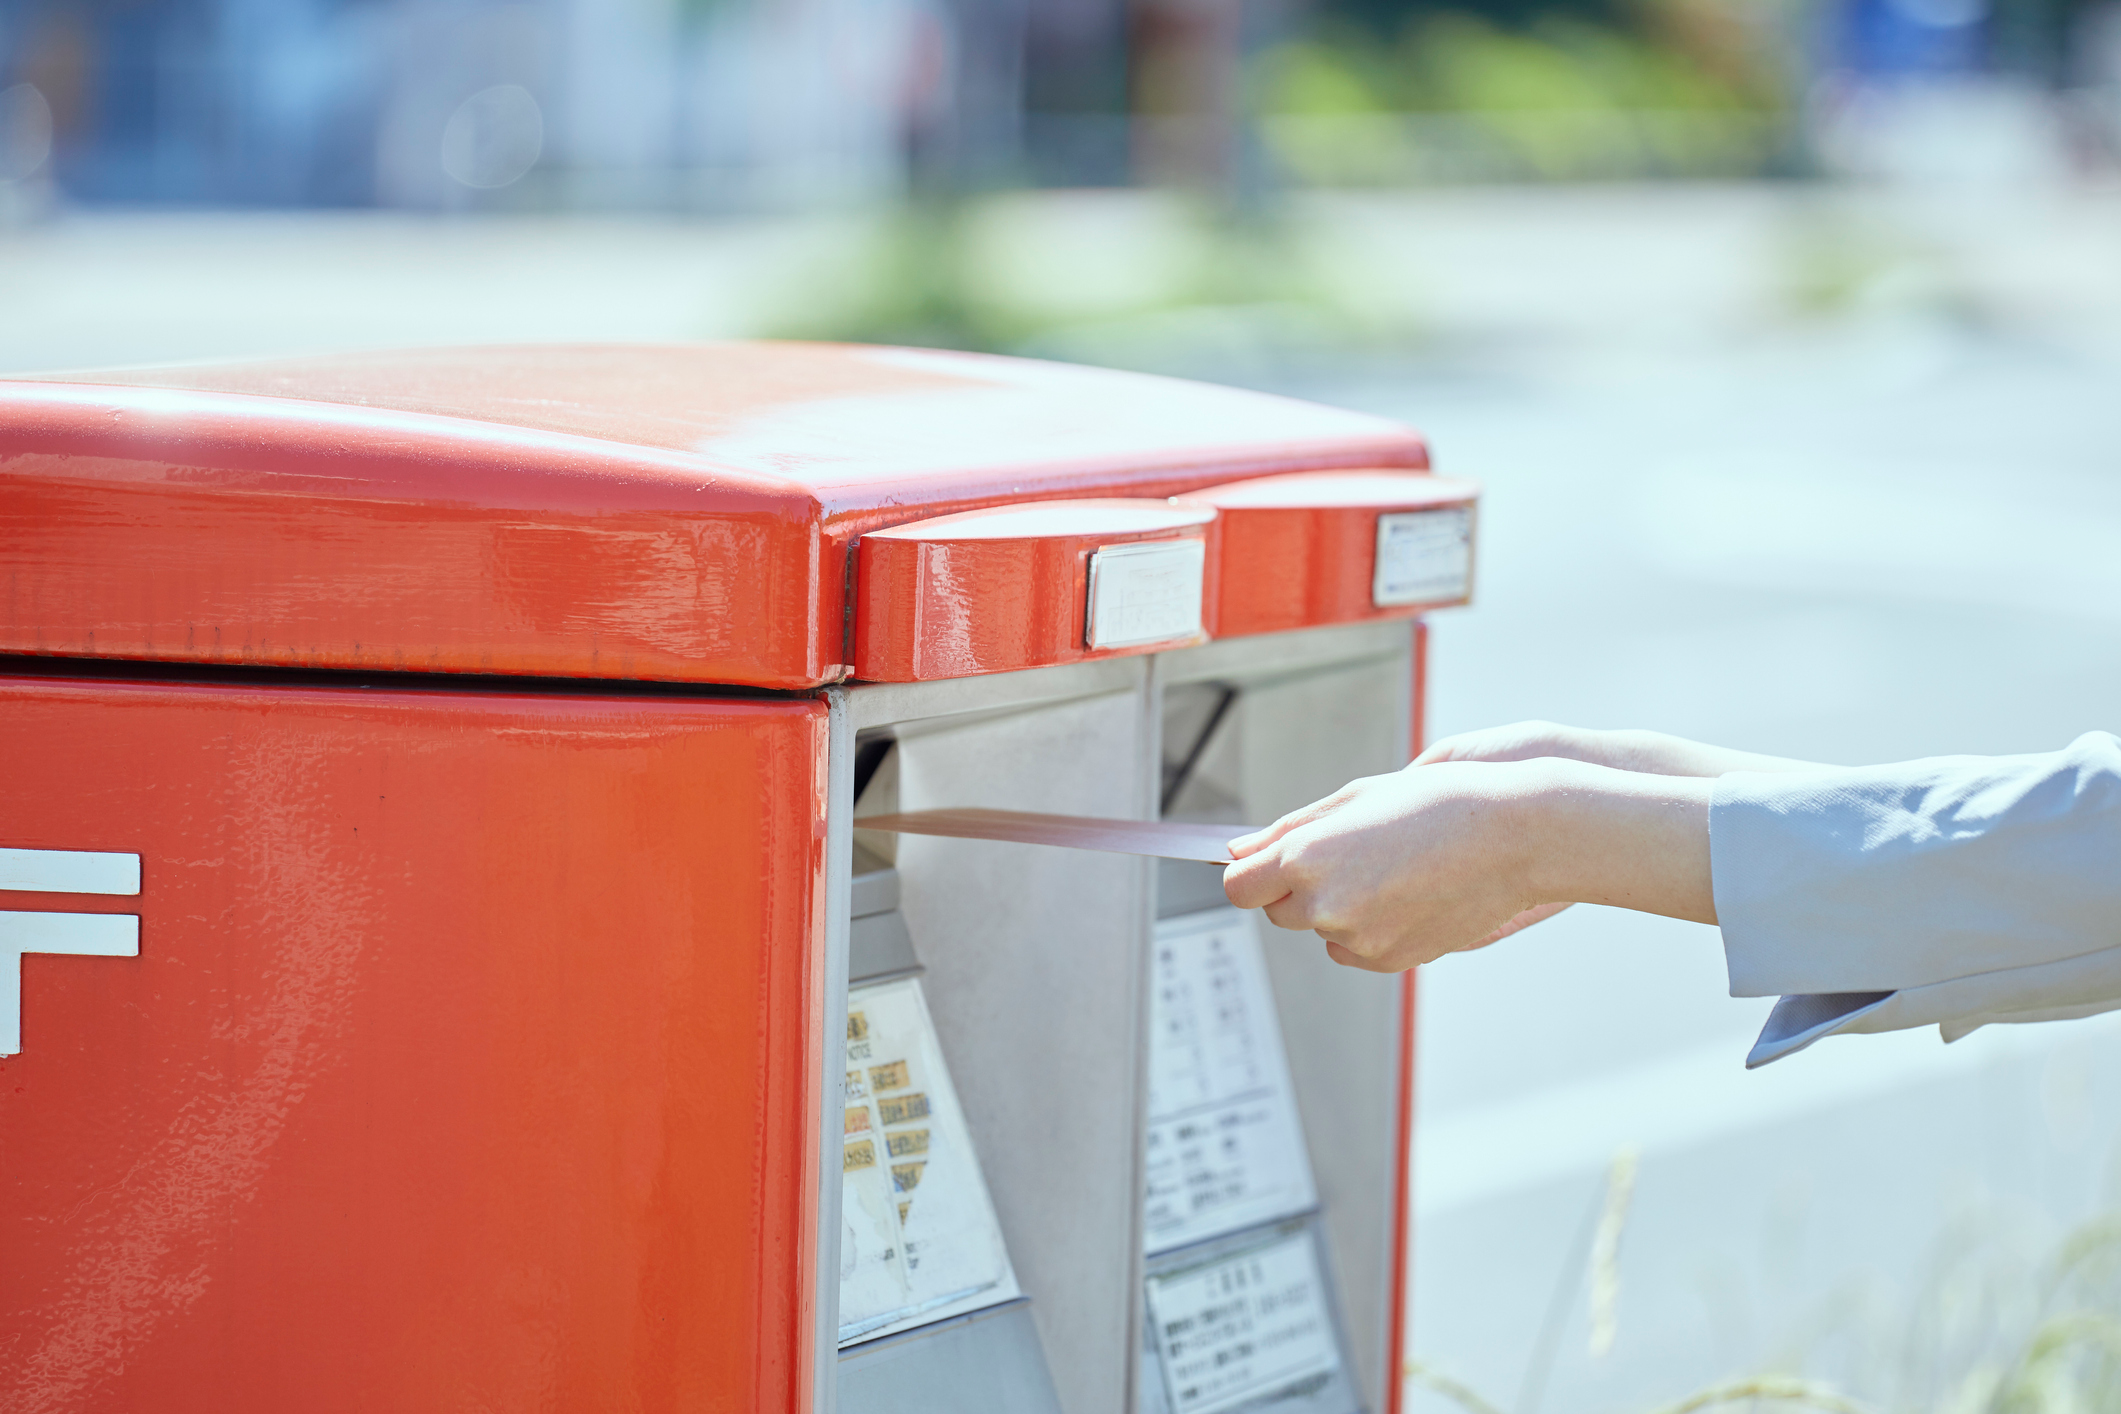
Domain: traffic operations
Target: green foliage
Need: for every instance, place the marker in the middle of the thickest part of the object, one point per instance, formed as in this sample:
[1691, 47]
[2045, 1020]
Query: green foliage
[1561, 97]
[910, 288]
[1313, 78]
[1131, 281]
[1458, 63]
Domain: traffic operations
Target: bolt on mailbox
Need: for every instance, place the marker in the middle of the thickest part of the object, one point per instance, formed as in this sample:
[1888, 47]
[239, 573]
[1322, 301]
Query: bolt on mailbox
[443, 965]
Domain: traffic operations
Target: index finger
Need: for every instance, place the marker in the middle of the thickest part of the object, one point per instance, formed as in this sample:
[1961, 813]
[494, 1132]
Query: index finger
[1246, 845]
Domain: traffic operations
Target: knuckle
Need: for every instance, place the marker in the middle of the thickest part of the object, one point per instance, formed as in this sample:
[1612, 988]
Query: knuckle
[1301, 863]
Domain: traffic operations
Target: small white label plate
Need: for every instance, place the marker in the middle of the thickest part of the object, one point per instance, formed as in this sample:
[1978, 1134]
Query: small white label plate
[1242, 1326]
[1145, 593]
[1423, 557]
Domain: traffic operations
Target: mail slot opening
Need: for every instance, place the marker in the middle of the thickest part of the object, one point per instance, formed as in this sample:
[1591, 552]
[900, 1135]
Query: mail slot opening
[1004, 980]
[1269, 1215]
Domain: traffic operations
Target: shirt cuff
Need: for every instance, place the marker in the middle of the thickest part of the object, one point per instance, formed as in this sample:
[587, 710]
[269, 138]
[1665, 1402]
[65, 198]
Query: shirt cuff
[1798, 1021]
[2066, 989]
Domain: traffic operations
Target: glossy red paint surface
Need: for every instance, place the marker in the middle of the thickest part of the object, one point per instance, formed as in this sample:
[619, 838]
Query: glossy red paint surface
[681, 513]
[1300, 550]
[994, 590]
[469, 1060]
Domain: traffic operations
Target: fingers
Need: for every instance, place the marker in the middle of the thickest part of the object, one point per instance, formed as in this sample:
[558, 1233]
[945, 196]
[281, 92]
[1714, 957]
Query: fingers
[1461, 746]
[1444, 750]
[1471, 746]
[1246, 845]
[1255, 881]
[1344, 947]
[1349, 958]
[1292, 912]
[1270, 882]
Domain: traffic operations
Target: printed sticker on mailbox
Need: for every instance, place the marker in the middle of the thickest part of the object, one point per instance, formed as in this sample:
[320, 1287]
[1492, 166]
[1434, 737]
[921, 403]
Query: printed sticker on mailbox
[918, 1239]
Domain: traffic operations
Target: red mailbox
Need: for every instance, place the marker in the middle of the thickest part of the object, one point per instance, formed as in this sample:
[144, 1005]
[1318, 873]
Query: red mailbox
[451, 970]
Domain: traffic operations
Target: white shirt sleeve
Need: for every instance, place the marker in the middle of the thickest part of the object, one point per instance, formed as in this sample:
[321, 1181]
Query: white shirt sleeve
[1957, 891]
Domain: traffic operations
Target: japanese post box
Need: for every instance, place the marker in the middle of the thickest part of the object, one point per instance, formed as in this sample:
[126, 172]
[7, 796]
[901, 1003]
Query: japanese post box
[443, 966]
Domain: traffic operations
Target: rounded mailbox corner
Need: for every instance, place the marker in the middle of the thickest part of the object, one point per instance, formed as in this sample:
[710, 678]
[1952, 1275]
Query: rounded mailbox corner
[1310, 548]
[1032, 584]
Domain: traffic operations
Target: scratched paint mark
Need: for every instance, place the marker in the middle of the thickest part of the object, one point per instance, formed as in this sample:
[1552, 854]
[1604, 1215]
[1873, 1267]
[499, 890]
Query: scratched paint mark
[148, 1245]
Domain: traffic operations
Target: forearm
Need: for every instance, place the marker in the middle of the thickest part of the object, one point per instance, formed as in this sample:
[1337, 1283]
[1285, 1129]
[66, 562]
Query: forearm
[1393, 871]
[1674, 755]
[1596, 834]
[1654, 753]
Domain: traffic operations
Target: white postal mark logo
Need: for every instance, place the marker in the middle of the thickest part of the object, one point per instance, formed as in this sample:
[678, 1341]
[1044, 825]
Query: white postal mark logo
[61, 871]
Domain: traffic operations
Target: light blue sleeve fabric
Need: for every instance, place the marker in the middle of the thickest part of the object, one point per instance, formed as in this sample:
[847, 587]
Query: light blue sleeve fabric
[1953, 891]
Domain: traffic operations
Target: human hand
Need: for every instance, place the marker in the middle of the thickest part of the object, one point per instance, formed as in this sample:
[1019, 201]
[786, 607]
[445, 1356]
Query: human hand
[1396, 870]
[1393, 871]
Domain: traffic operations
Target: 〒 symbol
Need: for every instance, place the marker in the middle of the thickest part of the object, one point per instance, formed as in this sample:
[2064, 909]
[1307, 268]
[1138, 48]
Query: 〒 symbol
[60, 871]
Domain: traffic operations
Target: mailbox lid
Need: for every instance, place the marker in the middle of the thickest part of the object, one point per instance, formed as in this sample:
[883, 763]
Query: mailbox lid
[1329, 547]
[681, 513]
[1025, 586]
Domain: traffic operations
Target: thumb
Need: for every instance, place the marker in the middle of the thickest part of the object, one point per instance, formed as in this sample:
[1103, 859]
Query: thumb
[1258, 840]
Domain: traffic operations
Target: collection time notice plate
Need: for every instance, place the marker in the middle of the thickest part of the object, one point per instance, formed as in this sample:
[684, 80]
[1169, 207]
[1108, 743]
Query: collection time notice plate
[1225, 1146]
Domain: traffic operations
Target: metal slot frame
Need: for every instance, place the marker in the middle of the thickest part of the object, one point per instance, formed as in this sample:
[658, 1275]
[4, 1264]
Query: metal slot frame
[1357, 1221]
[1076, 738]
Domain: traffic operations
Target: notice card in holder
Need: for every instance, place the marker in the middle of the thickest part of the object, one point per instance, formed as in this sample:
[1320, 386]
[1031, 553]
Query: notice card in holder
[919, 1240]
[1239, 1310]
[1246, 1321]
[1225, 1146]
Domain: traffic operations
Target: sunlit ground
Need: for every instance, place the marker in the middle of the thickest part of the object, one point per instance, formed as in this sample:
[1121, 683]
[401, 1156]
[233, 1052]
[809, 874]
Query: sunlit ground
[1829, 473]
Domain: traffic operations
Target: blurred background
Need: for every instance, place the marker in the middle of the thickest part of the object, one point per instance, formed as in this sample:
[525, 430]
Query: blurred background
[1785, 334]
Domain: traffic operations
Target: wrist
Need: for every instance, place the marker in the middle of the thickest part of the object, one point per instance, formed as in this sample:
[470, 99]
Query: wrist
[1619, 749]
[1591, 833]
[1661, 754]
[1541, 825]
